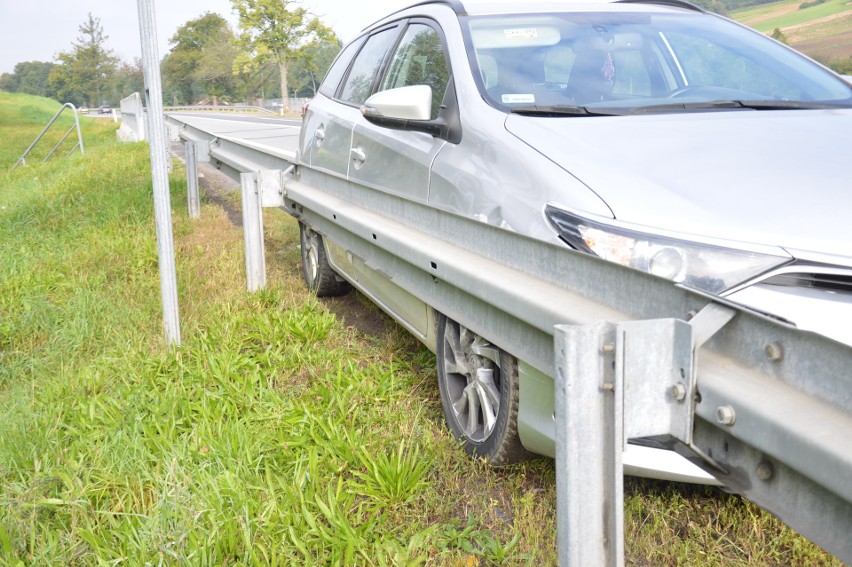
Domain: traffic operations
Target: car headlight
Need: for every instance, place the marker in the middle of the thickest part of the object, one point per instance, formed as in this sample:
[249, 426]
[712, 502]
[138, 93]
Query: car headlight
[710, 266]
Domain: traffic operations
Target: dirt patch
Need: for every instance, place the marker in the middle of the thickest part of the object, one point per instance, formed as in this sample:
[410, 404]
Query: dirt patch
[220, 189]
[782, 10]
[353, 309]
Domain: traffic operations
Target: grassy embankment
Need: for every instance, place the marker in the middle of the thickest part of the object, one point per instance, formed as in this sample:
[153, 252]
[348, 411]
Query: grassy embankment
[275, 434]
[822, 31]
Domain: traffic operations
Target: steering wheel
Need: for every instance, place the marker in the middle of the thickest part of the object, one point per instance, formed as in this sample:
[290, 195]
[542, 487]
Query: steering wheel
[684, 90]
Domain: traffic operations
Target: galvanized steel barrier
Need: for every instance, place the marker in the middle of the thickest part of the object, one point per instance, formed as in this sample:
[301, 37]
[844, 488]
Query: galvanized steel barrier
[218, 108]
[763, 406]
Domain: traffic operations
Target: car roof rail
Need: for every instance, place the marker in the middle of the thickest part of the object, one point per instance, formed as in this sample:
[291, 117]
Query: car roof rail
[455, 5]
[673, 3]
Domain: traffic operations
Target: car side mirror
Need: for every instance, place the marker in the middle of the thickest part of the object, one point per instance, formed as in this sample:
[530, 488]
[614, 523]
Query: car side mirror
[404, 103]
[405, 108]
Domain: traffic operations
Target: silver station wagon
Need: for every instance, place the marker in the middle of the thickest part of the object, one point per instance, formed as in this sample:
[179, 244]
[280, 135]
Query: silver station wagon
[647, 132]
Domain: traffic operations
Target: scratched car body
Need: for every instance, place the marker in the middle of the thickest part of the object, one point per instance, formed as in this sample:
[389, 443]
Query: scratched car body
[652, 134]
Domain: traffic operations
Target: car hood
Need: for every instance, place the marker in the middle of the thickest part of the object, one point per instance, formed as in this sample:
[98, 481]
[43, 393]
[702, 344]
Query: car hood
[781, 178]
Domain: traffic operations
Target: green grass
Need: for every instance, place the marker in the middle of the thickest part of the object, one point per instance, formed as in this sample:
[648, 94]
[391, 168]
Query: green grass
[23, 117]
[275, 435]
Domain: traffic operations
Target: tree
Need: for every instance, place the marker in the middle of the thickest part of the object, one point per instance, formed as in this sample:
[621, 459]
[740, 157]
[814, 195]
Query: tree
[778, 35]
[215, 70]
[716, 6]
[274, 30]
[84, 73]
[311, 64]
[30, 77]
[201, 59]
[129, 78]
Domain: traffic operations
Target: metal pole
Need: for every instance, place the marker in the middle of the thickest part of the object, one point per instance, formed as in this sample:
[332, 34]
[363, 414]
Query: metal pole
[253, 230]
[193, 199]
[159, 170]
[589, 442]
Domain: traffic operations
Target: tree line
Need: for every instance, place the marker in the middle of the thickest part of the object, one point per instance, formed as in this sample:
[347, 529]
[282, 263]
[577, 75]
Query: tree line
[278, 48]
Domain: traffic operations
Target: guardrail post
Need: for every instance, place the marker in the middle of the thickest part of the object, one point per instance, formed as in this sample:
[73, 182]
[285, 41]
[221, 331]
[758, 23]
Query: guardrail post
[589, 470]
[253, 230]
[194, 202]
[617, 382]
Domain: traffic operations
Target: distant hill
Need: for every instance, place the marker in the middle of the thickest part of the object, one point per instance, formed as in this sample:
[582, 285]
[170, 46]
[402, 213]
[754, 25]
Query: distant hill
[821, 29]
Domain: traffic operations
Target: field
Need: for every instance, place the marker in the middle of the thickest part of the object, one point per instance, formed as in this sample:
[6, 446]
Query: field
[284, 431]
[823, 31]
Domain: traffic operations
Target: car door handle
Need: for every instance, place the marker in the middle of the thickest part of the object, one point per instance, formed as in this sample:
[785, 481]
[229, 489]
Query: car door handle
[358, 154]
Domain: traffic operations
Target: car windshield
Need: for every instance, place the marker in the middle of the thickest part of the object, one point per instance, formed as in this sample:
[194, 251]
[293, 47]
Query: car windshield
[579, 64]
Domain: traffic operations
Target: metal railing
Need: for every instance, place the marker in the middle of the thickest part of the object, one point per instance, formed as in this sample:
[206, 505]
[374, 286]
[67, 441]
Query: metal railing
[218, 108]
[23, 159]
[765, 407]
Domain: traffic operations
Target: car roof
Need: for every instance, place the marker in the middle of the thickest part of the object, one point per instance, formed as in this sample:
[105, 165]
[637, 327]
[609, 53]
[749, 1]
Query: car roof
[479, 7]
[498, 7]
[508, 7]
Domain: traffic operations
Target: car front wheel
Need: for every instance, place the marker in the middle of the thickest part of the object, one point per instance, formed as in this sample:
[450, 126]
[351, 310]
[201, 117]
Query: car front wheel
[479, 392]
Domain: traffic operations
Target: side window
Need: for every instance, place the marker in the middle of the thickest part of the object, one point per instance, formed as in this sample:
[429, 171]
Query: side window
[359, 83]
[419, 60]
[338, 68]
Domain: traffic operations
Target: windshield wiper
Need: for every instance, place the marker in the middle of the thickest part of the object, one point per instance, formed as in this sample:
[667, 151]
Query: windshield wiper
[790, 105]
[564, 110]
[711, 105]
[674, 107]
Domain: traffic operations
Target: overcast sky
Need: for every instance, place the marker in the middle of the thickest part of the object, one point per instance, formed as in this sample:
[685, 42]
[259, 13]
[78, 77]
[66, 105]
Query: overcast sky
[36, 30]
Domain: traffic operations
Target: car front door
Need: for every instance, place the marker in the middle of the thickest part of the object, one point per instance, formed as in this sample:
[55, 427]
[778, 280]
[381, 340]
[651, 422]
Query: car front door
[398, 161]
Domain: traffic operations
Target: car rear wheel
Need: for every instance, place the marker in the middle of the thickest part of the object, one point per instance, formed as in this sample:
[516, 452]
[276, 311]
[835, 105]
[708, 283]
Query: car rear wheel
[479, 391]
[320, 277]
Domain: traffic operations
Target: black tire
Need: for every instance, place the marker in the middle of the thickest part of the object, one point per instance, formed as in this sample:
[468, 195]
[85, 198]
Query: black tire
[479, 391]
[319, 276]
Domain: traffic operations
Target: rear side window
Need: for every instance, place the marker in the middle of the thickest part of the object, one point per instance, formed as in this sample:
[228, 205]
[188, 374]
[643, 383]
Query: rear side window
[419, 60]
[338, 69]
[359, 83]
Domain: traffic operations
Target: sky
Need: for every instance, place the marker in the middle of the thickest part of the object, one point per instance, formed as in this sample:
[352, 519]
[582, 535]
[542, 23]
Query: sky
[36, 30]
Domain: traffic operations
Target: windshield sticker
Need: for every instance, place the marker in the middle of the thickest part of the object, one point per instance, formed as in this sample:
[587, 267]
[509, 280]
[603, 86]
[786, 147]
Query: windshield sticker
[521, 33]
[518, 99]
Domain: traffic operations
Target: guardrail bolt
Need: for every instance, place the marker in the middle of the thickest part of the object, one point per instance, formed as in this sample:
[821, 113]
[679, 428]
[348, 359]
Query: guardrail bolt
[765, 471]
[726, 415]
[774, 351]
[678, 392]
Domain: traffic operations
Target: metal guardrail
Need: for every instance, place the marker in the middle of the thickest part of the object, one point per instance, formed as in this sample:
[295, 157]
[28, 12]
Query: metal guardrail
[23, 159]
[218, 108]
[763, 406]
